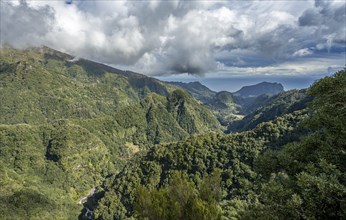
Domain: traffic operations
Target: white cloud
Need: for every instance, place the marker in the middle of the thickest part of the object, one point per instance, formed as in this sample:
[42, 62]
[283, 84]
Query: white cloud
[169, 37]
[302, 52]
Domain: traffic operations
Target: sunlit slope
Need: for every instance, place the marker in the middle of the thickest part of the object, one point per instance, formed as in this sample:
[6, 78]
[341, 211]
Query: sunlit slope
[65, 124]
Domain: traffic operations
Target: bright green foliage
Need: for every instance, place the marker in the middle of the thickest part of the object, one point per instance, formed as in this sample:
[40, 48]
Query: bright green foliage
[66, 125]
[180, 199]
[43, 171]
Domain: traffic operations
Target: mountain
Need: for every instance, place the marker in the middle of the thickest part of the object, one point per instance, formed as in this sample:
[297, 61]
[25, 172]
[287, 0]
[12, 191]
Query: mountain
[79, 138]
[221, 103]
[266, 108]
[252, 97]
[197, 157]
[66, 124]
[197, 90]
[260, 89]
[42, 85]
[231, 107]
[291, 167]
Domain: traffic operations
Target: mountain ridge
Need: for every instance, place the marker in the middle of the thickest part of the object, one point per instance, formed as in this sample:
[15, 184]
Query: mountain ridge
[228, 106]
[260, 89]
[64, 126]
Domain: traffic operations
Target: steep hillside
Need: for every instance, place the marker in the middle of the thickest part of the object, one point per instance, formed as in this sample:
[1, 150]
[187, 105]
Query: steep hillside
[65, 124]
[281, 169]
[197, 157]
[229, 107]
[41, 85]
[252, 96]
[221, 103]
[269, 107]
[80, 137]
[197, 90]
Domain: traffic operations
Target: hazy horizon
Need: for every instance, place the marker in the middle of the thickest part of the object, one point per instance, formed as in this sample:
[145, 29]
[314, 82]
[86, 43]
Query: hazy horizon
[234, 83]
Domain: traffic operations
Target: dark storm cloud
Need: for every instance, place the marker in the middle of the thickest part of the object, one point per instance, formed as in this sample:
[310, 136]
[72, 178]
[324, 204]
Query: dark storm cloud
[311, 17]
[327, 23]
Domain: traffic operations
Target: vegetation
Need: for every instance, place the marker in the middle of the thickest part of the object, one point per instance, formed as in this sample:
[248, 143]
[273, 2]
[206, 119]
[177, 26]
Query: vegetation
[288, 168]
[198, 157]
[266, 108]
[306, 179]
[180, 199]
[221, 104]
[151, 151]
[230, 108]
[65, 126]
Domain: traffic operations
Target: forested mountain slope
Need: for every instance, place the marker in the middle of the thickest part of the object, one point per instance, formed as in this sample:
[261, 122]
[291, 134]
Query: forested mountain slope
[265, 108]
[221, 104]
[198, 157]
[65, 124]
[231, 107]
[289, 168]
[197, 90]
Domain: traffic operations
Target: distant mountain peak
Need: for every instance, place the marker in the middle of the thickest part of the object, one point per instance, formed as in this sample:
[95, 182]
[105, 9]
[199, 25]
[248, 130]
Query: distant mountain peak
[271, 88]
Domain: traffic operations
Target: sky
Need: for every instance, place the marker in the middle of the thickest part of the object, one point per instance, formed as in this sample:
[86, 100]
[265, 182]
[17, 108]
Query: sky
[181, 39]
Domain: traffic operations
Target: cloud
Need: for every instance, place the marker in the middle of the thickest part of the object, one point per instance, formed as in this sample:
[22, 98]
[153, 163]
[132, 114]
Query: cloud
[189, 42]
[326, 21]
[173, 37]
[17, 27]
[302, 52]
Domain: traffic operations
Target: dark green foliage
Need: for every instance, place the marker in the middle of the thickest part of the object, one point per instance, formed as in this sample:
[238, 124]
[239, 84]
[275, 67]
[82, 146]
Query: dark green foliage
[35, 186]
[254, 96]
[271, 172]
[197, 90]
[147, 85]
[224, 97]
[198, 157]
[314, 168]
[29, 203]
[188, 113]
[271, 107]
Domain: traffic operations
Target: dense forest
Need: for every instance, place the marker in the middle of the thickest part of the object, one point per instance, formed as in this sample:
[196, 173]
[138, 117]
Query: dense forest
[292, 167]
[65, 126]
[83, 140]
